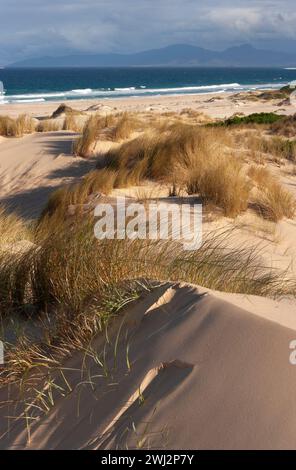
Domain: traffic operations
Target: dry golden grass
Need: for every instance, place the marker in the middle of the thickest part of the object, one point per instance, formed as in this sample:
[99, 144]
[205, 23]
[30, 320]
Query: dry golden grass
[196, 116]
[7, 126]
[126, 124]
[262, 147]
[285, 127]
[186, 156]
[221, 181]
[49, 125]
[68, 268]
[279, 148]
[199, 160]
[23, 124]
[13, 274]
[74, 267]
[85, 144]
[153, 154]
[260, 175]
[110, 127]
[12, 229]
[284, 148]
[98, 181]
[72, 123]
[272, 201]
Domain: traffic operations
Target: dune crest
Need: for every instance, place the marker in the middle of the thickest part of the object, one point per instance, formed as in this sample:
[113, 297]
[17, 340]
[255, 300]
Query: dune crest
[184, 376]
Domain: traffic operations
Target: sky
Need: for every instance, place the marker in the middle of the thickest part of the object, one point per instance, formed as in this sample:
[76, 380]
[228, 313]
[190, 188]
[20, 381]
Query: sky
[35, 28]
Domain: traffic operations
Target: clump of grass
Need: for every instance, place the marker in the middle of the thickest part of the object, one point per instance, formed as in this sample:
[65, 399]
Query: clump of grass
[197, 116]
[72, 269]
[7, 126]
[263, 148]
[13, 274]
[260, 175]
[23, 124]
[85, 144]
[124, 127]
[71, 123]
[186, 156]
[285, 127]
[98, 181]
[110, 127]
[274, 202]
[221, 182]
[288, 149]
[155, 155]
[195, 159]
[12, 228]
[49, 125]
[280, 148]
[283, 93]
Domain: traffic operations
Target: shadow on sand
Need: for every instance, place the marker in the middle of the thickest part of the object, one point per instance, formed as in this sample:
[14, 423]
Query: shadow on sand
[29, 203]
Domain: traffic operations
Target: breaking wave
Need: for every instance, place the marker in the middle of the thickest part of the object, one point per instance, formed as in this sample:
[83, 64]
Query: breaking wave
[90, 93]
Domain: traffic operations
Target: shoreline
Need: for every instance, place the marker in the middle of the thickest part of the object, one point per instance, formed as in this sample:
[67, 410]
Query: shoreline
[215, 105]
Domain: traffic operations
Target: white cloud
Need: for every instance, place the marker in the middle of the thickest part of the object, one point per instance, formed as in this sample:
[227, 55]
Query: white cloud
[52, 27]
[254, 20]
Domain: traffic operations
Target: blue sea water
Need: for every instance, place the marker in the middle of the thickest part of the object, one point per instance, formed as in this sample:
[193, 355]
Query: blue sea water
[34, 85]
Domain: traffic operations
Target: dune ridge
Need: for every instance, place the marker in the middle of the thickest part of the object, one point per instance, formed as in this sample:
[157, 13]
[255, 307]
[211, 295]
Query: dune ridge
[191, 380]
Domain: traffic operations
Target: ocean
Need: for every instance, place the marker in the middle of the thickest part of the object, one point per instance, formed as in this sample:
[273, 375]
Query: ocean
[37, 85]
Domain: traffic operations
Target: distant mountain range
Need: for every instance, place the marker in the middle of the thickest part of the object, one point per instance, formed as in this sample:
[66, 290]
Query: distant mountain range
[175, 55]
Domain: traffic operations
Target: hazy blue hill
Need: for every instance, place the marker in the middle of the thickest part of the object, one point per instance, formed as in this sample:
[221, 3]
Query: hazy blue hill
[247, 55]
[178, 54]
[175, 55]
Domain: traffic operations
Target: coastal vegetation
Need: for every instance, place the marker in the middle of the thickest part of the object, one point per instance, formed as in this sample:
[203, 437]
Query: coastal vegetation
[71, 284]
[10, 127]
[60, 287]
[200, 160]
[256, 118]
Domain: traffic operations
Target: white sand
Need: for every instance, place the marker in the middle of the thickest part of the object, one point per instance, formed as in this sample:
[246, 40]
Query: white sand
[215, 105]
[33, 166]
[204, 374]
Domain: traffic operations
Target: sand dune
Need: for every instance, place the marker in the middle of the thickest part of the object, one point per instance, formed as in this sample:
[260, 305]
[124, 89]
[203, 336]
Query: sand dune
[33, 166]
[190, 371]
[184, 367]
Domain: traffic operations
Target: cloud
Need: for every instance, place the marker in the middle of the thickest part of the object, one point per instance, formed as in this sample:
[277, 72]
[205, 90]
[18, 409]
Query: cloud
[250, 21]
[31, 28]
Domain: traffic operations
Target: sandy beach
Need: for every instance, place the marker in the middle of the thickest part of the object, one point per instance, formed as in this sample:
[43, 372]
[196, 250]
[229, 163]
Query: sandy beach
[216, 105]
